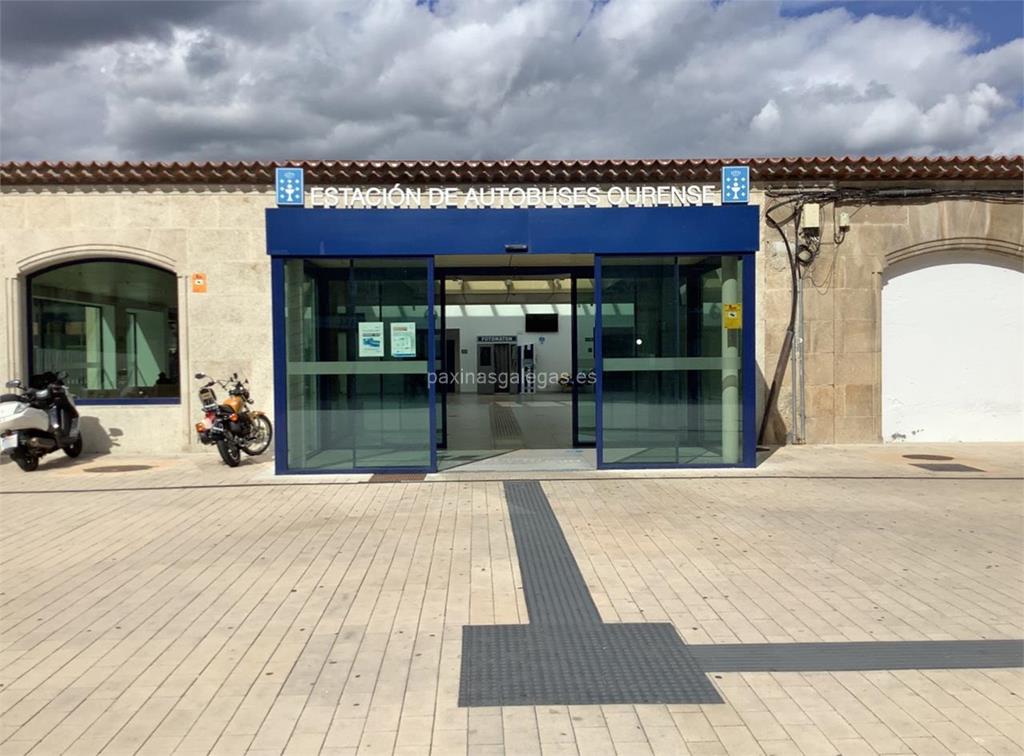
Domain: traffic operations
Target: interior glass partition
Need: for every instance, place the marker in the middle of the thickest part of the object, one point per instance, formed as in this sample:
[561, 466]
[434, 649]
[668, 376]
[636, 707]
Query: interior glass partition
[358, 351]
[670, 331]
[585, 377]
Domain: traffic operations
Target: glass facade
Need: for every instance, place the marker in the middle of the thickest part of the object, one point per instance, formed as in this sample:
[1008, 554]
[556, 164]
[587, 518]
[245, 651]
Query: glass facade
[668, 345]
[357, 362]
[671, 390]
[112, 326]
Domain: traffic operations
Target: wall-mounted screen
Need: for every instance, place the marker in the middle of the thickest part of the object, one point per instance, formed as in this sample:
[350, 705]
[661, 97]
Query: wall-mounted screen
[541, 323]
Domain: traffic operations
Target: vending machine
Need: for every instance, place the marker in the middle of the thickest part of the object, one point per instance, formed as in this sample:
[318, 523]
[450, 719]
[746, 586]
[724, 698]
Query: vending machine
[528, 361]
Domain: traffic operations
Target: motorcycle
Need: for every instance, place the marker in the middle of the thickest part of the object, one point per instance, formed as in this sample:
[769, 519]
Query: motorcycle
[229, 424]
[38, 421]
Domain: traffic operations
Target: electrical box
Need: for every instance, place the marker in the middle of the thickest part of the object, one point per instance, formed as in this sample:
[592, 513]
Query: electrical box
[844, 221]
[810, 217]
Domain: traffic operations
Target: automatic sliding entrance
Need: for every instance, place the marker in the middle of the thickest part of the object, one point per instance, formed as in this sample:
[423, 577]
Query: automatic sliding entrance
[513, 396]
[655, 303]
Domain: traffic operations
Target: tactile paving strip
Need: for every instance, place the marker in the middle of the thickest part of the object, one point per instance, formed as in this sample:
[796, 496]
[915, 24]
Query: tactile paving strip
[567, 656]
[552, 583]
[868, 655]
[504, 426]
[515, 665]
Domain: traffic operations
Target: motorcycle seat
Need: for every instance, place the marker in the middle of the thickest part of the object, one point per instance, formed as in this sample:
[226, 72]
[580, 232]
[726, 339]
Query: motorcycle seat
[11, 398]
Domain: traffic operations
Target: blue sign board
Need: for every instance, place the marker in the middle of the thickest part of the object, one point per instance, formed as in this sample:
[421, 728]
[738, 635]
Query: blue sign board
[706, 230]
[736, 184]
[289, 183]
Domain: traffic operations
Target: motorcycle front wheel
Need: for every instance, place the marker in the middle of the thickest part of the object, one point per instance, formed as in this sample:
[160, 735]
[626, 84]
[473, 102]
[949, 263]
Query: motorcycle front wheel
[259, 439]
[74, 449]
[229, 452]
[27, 462]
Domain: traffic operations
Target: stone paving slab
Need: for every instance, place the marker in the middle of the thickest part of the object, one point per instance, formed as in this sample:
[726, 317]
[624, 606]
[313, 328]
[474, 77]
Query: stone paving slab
[161, 612]
[203, 468]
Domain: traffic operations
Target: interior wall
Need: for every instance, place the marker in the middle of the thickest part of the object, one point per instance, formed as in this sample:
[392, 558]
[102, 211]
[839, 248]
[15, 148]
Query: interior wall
[553, 351]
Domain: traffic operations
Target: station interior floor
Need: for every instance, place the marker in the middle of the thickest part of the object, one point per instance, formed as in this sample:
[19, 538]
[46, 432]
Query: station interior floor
[510, 432]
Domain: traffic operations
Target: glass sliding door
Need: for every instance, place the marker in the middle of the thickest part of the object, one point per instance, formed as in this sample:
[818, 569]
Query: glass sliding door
[358, 348]
[670, 355]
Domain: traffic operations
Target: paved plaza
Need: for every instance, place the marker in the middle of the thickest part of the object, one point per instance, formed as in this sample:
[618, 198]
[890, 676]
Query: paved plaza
[172, 605]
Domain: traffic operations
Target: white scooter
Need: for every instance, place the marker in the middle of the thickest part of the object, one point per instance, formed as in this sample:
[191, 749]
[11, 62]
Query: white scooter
[38, 421]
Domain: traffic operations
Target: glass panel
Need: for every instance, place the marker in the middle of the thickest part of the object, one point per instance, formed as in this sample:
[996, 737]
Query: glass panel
[442, 364]
[357, 362]
[584, 393]
[671, 387]
[112, 326]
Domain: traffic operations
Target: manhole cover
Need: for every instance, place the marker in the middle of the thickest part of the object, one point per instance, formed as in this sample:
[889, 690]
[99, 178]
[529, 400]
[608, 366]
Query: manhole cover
[118, 468]
[933, 457]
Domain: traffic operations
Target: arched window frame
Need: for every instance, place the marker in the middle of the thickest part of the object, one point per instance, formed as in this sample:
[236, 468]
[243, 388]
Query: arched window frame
[30, 343]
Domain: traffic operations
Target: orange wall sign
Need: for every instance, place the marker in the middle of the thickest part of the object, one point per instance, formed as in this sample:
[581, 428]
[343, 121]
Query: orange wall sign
[198, 283]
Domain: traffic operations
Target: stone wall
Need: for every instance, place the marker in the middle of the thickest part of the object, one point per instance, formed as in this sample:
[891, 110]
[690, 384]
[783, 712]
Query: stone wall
[189, 230]
[842, 303]
[220, 232]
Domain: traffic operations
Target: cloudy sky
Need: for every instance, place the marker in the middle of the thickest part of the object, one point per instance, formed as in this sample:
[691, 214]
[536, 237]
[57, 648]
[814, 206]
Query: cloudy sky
[476, 79]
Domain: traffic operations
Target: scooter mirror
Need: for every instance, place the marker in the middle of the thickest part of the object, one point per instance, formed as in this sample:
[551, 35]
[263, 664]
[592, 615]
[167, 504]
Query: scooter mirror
[200, 376]
[13, 384]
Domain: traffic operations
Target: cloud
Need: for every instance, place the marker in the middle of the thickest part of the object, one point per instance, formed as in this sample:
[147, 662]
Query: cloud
[38, 32]
[767, 119]
[487, 79]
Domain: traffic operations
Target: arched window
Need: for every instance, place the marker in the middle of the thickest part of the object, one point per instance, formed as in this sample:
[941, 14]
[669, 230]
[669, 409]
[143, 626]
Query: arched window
[111, 325]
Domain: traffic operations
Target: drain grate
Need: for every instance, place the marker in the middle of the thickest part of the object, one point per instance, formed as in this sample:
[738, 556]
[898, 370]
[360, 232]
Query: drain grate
[118, 468]
[504, 426]
[945, 467]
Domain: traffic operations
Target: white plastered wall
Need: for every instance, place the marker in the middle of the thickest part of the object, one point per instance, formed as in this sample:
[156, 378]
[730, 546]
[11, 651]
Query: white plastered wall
[553, 350]
[953, 349]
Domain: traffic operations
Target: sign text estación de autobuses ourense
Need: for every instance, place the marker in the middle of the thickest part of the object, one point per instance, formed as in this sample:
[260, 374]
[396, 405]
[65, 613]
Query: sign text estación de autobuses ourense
[506, 197]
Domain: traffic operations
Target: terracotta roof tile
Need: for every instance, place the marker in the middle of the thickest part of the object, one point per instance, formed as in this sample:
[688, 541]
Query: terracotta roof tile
[1009, 167]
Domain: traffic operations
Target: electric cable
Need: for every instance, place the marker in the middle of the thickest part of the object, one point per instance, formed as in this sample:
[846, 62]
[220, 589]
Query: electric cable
[787, 342]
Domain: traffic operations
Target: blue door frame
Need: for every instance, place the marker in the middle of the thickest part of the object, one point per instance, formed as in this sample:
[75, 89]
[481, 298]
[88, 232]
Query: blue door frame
[295, 232]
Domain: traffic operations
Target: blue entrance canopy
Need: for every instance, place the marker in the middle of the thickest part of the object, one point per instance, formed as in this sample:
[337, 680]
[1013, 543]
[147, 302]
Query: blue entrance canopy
[301, 232]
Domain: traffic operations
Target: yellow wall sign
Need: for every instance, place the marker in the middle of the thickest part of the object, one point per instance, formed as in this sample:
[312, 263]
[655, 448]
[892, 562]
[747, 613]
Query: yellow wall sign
[198, 283]
[732, 315]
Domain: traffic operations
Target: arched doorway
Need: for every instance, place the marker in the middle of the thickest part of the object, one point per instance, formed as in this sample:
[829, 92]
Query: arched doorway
[952, 353]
